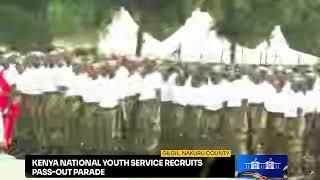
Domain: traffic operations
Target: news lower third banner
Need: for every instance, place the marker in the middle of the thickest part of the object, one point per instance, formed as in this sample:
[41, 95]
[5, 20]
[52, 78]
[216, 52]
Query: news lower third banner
[171, 163]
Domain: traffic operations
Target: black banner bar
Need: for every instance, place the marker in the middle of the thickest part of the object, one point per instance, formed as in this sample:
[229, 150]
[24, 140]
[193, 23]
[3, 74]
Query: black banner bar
[124, 166]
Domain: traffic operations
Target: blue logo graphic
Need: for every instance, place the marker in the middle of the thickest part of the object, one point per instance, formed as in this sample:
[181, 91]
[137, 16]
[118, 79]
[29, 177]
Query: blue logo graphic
[262, 166]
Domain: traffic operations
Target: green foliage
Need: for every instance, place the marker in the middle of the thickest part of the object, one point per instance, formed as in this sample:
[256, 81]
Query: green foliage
[104, 11]
[160, 18]
[78, 22]
[247, 22]
[301, 26]
[69, 17]
[21, 29]
[36, 8]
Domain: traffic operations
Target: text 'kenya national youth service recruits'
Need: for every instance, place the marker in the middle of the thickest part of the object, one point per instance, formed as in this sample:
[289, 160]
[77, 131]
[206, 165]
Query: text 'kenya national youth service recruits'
[115, 162]
[106, 166]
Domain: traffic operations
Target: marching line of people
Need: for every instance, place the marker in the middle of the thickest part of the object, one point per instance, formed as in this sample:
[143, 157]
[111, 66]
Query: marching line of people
[204, 85]
[138, 107]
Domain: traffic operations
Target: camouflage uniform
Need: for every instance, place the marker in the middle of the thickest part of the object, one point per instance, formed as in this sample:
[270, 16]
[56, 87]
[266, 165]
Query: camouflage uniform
[191, 125]
[257, 116]
[172, 116]
[129, 110]
[40, 117]
[32, 104]
[311, 119]
[235, 129]
[35, 104]
[167, 123]
[88, 127]
[147, 126]
[276, 130]
[105, 126]
[295, 131]
[210, 129]
[73, 105]
[55, 129]
[24, 128]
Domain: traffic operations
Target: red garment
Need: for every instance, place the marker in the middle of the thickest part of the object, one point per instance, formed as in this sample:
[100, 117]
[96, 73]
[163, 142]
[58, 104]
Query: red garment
[4, 101]
[4, 85]
[9, 121]
[13, 112]
[5, 90]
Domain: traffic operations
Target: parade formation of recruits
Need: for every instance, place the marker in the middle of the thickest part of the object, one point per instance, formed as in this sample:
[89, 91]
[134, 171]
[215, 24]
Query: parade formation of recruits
[117, 106]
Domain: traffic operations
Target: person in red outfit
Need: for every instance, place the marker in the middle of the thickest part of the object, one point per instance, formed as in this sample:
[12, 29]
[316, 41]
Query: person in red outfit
[10, 110]
[9, 121]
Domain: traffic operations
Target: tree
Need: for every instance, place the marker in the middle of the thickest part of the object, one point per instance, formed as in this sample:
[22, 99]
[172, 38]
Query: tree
[70, 17]
[21, 30]
[78, 22]
[159, 18]
[24, 24]
[301, 27]
[246, 22]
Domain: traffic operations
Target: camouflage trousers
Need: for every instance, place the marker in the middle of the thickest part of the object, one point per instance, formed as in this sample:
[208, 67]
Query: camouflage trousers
[235, 128]
[276, 130]
[29, 126]
[75, 107]
[211, 134]
[284, 136]
[311, 160]
[97, 128]
[172, 117]
[55, 122]
[129, 109]
[106, 124]
[88, 125]
[191, 126]
[257, 123]
[146, 126]
[25, 126]
[295, 128]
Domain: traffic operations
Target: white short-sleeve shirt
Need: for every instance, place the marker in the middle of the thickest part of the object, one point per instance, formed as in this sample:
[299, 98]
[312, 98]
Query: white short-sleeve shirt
[135, 84]
[214, 100]
[151, 82]
[181, 94]
[11, 74]
[28, 82]
[112, 97]
[154, 79]
[167, 93]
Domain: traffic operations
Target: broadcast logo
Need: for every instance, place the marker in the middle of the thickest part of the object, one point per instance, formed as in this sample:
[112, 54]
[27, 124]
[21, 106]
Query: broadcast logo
[262, 166]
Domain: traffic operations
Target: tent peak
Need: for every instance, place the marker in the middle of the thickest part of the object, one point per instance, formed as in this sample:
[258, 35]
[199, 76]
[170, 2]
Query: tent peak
[277, 37]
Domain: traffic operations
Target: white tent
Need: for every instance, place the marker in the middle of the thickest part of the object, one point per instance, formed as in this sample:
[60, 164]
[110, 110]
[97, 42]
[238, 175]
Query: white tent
[198, 43]
[196, 34]
[150, 47]
[246, 55]
[279, 52]
[217, 49]
[120, 37]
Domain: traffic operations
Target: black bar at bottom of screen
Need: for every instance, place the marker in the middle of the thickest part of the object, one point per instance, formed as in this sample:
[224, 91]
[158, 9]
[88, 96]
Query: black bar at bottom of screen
[124, 166]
